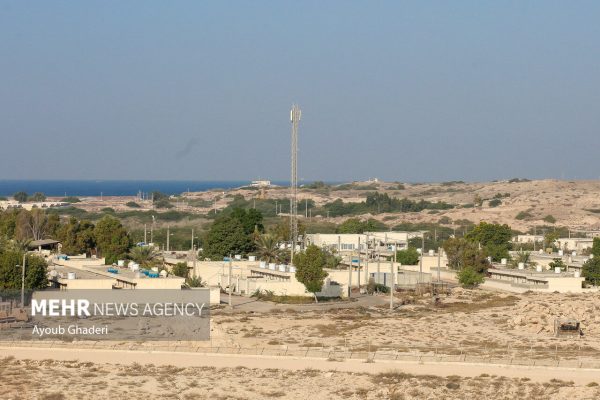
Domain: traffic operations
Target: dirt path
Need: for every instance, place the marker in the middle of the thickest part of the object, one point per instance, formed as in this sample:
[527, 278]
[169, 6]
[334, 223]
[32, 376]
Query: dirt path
[580, 376]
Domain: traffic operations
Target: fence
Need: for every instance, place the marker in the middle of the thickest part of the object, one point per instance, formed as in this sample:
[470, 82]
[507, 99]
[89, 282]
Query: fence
[572, 358]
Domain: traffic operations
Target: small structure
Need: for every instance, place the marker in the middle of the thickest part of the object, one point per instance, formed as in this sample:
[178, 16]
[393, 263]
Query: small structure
[44, 244]
[566, 327]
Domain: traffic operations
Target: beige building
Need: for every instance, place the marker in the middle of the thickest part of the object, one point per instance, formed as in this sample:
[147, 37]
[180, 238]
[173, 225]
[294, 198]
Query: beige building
[383, 242]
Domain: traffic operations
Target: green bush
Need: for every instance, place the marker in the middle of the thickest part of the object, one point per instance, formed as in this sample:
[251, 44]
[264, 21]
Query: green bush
[469, 278]
[409, 256]
[550, 219]
[523, 215]
[494, 202]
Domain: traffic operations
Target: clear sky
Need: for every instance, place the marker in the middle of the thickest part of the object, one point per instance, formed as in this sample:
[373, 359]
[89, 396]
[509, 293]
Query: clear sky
[408, 91]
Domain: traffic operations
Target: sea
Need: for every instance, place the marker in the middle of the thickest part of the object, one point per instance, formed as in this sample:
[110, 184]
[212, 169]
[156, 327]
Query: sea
[56, 188]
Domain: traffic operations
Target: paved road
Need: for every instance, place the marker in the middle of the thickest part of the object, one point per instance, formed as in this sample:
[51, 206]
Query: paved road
[580, 376]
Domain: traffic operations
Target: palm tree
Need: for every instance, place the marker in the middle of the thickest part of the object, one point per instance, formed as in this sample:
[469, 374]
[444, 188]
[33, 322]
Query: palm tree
[144, 255]
[267, 248]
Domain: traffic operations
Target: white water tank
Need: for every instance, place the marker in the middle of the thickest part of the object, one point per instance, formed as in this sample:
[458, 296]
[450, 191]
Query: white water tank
[591, 256]
[263, 264]
[538, 268]
[134, 266]
[292, 269]
[282, 267]
[574, 253]
[252, 258]
[560, 253]
[503, 261]
[577, 274]
[121, 263]
[272, 266]
[540, 251]
[71, 275]
[431, 252]
[557, 270]
[238, 257]
[163, 273]
[521, 265]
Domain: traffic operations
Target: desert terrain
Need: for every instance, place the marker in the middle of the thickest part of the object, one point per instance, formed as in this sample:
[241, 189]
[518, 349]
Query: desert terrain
[572, 204]
[69, 379]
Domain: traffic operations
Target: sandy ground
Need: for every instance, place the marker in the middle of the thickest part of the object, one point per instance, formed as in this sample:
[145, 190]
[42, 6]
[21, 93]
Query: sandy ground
[72, 379]
[473, 322]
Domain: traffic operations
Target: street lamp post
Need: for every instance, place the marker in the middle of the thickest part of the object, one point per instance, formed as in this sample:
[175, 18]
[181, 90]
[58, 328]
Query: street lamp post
[23, 281]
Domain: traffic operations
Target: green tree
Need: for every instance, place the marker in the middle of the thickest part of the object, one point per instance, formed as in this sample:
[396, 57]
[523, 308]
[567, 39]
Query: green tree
[469, 278]
[351, 225]
[309, 269]
[495, 238]
[591, 270]
[596, 247]
[557, 263]
[8, 223]
[550, 238]
[146, 256]
[267, 247]
[38, 197]
[21, 197]
[409, 256]
[250, 219]
[10, 271]
[180, 269]
[463, 253]
[112, 239]
[226, 237]
[77, 237]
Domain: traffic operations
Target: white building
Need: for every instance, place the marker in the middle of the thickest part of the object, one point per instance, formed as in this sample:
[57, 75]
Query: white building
[351, 242]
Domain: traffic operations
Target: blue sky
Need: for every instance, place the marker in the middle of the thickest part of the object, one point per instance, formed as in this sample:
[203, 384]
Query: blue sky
[408, 91]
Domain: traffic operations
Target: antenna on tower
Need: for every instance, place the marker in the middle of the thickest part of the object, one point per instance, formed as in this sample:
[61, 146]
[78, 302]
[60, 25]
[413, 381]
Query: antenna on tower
[295, 115]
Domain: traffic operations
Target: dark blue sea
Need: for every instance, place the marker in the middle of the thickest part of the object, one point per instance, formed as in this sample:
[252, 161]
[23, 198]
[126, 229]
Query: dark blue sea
[112, 188]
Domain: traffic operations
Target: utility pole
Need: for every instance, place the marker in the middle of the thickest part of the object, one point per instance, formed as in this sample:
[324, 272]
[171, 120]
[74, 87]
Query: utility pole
[367, 262]
[391, 283]
[276, 209]
[194, 256]
[305, 208]
[229, 283]
[422, 254]
[168, 237]
[439, 262]
[358, 269]
[295, 115]
[145, 234]
[152, 231]
[23, 281]
[192, 245]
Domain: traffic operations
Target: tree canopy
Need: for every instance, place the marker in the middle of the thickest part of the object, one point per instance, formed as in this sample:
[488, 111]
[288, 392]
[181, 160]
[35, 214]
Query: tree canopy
[495, 238]
[409, 256]
[226, 237]
[355, 225]
[77, 237]
[591, 270]
[10, 270]
[112, 239]
[309, 268]
[467, 259]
